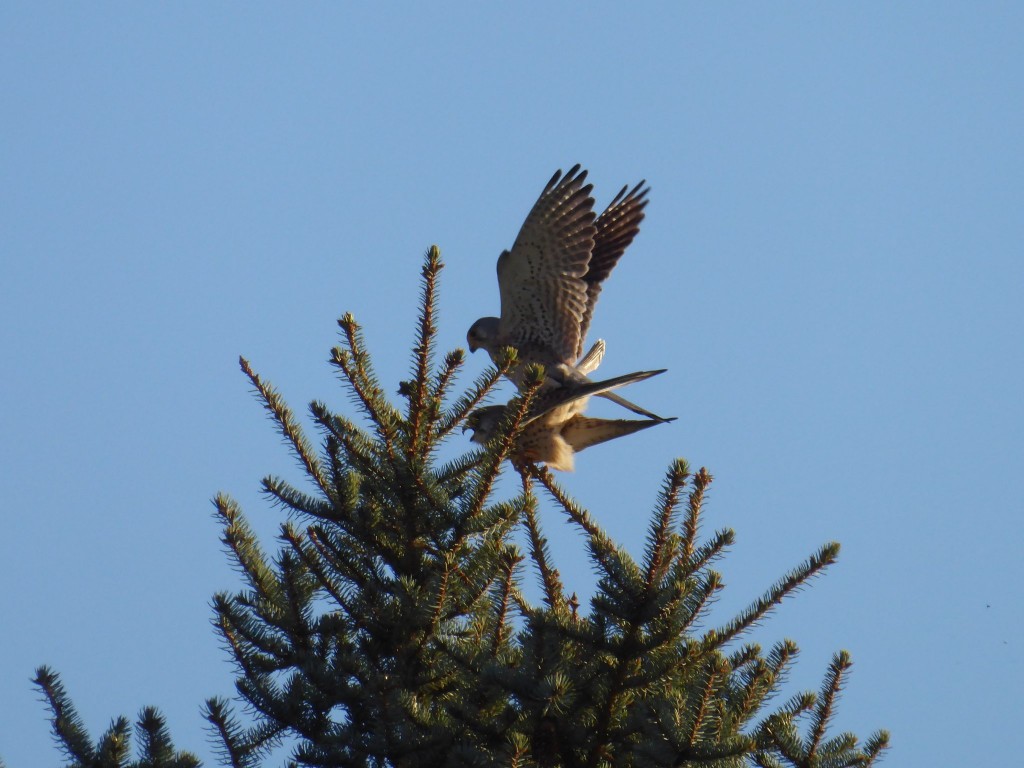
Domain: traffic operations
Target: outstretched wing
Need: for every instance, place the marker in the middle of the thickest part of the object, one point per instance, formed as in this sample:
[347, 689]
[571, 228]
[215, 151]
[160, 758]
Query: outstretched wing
[582, 432]
[614, 229]
[543, 293]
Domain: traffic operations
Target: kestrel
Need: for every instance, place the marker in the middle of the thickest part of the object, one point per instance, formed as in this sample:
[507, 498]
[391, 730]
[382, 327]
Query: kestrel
[555, 429]
[550, 280]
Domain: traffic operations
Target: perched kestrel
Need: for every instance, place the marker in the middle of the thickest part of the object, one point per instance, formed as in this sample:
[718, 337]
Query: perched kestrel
[550, 280]
[555, 429]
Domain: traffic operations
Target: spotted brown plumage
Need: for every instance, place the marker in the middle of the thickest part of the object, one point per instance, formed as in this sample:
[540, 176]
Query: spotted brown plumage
[554, 428]
[550, 279]
[540, 279]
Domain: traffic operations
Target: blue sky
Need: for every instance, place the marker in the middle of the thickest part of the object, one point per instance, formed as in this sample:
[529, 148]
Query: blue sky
[830, 268]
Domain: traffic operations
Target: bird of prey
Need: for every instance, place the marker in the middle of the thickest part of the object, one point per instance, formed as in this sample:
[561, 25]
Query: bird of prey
[550, 280]
[554, 428]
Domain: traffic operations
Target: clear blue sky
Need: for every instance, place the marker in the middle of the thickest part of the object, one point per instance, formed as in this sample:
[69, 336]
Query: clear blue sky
[831, 268]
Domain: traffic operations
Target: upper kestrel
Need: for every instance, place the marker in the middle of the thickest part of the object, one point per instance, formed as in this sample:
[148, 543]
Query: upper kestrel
[550, 280]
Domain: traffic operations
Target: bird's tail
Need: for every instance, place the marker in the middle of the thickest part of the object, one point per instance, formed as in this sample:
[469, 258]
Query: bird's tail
[585, 386]
[581, 387]
[635, 408]
[589, 362]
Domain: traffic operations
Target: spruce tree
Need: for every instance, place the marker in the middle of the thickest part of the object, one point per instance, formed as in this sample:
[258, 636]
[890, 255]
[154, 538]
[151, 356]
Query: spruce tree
[391, 628]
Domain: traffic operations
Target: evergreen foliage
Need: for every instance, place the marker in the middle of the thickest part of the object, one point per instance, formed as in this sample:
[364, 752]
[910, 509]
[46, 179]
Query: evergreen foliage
[113, 748]
[390, 627]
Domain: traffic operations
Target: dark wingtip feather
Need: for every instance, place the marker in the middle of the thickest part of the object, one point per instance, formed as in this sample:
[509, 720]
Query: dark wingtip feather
[618, 197]
[554, 180]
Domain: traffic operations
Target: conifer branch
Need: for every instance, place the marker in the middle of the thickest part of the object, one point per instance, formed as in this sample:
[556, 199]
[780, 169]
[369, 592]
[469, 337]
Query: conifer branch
[502, 630]
[623, 665]
[340, 427]
[294, 500]
[523, 606]
[469, 401]
[658, 539]
[113, 748]
[800, 704]
[316, 566]
[355, 365]
[764, 678]
[691, 526]
[477, 392]
[250, 635]
[222, 608]
[554, 592]
[453, 361]
[297, 589]
[823, 558]
[830, 688]
[114, 745]
[226, 731]
[715, 753]
[601, 546]
[360, 452]
[155, 745]
[68, 728]
[839, 750]
[700, 598]
[753, 693]
[289, 428]
[745, 656]
[637, 611]
[874, 747]
[780, 657]
[242, 750]
[442, 597]
[766, 760]
[500, 448]
[785, 739]
[712, 675]
[353, 564]
[154, 740]
[456, 471]
[474, 561]
[245, 551]
[706, 553]
[423, 352]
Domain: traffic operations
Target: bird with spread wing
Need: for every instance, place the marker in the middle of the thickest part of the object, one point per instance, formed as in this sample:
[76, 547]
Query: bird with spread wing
[550, 280]
[554, 428]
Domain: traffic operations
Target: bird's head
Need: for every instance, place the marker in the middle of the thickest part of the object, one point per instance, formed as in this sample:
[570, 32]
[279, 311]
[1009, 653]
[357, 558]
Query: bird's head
[482, 334]
[484, 423]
